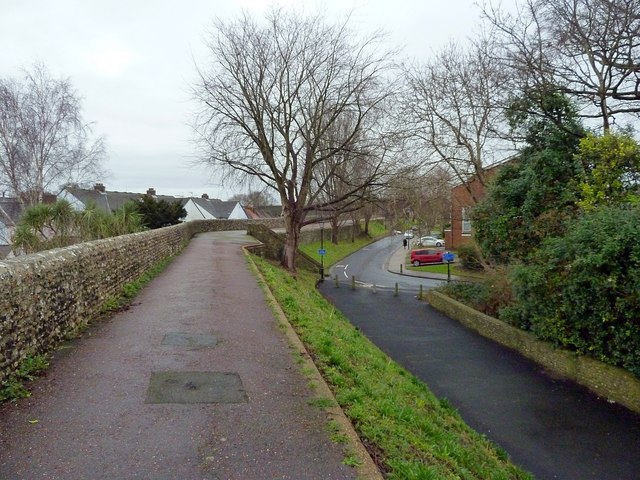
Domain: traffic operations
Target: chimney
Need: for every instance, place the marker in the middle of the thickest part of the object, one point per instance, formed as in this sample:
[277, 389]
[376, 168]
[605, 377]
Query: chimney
[205, 196]
[151, 192]
[99, 187]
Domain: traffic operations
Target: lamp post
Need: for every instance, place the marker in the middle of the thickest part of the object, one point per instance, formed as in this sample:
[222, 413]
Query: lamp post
[322, 251]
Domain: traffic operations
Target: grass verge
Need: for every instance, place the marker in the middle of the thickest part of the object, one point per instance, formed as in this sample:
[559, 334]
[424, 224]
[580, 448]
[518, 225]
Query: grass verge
[14, 387]
[408, 431]
[456, 269]
[337, 252]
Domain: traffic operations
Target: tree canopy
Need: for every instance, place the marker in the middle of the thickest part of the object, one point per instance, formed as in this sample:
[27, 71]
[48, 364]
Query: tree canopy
[44, 142]
[159, 213]
[272, 97]
[532, 197]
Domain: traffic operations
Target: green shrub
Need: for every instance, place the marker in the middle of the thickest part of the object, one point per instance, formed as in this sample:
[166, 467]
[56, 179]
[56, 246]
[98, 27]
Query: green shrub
[582, 291]
[489, 296]
[470, 256]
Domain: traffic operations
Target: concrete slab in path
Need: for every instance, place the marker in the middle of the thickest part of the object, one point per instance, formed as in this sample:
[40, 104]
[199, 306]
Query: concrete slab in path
[89, 416]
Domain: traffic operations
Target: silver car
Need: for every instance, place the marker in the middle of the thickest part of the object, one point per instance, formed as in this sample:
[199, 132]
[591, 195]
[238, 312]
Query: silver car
[431, 242]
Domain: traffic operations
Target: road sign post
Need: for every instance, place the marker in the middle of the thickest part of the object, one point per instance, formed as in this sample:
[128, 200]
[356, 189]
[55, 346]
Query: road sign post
[322, 251]
[448, 257]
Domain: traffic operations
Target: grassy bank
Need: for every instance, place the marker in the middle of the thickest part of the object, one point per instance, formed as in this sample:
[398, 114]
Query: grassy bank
[456, 269]
[344, 248]
[410, 433]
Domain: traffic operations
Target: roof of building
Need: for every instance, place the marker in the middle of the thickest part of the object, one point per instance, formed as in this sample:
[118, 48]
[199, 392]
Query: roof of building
[267, 211]
[10, 210]
[214, 206]
[111, 201]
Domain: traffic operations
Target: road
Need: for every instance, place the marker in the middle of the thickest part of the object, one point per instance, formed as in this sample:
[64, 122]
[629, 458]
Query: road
[551, 427]
[369, 267]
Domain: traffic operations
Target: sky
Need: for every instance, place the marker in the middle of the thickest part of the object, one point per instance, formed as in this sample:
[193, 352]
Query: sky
[133, 63]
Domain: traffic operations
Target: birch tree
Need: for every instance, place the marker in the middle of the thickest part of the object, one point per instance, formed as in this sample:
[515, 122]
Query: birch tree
[44, 142]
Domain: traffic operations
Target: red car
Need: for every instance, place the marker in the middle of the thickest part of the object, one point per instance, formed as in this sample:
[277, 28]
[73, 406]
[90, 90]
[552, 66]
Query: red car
[418, 257]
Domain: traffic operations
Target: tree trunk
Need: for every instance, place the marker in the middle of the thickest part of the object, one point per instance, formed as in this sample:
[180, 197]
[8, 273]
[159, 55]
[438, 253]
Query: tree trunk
[293, 225]
[367, 219]
[334, 230]
[353, 227]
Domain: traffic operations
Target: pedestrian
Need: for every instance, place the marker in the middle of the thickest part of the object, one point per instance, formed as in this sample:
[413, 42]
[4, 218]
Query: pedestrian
[404, 243]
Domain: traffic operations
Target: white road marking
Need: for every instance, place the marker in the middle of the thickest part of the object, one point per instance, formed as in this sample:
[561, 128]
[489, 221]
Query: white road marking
[345, 270]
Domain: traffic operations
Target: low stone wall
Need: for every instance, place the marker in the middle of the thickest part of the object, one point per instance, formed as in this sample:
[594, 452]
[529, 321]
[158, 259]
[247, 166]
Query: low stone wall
[273, 246]
[605, 380]
[46, 296]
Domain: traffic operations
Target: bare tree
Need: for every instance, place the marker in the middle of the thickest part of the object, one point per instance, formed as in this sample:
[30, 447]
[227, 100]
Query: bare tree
[335, 178]
[43, 139]
[423, 197]
[587, 49]
[271, 97]
[453, 108]
[254, 198]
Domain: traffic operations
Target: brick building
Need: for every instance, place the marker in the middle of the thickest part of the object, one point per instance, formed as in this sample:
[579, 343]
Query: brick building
[463, 197]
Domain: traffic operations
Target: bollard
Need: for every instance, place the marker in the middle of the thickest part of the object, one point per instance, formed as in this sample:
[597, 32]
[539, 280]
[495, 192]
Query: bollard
[400, 268]
[337, 282]
[353, 282]
[420, 294]
[374, 288]
[396, 291]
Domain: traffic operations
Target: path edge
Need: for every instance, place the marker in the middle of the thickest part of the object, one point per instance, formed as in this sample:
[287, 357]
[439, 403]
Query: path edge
[367, 469]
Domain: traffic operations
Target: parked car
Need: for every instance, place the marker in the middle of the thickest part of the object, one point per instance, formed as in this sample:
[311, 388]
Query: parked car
[431, 242]
[408, 234]
[419, 257]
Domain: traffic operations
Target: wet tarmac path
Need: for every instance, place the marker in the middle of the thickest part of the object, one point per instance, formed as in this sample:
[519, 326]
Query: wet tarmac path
[551, 427]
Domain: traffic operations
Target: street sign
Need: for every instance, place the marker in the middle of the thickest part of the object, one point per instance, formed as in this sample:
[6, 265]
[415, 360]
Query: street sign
[322, 251]
[448, 257]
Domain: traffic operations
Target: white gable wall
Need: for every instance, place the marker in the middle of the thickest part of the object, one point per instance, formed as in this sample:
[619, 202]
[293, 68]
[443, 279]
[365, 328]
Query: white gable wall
[238, 213]
[194, 212]
[72, 199]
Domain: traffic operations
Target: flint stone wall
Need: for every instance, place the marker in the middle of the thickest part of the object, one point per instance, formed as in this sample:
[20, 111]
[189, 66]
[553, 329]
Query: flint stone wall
[46, 296]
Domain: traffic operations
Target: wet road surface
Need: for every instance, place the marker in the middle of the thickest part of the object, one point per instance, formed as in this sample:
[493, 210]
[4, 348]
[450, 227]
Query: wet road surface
[551, 427]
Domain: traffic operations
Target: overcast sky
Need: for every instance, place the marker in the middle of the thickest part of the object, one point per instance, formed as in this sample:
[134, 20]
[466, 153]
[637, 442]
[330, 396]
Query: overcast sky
[132, 62]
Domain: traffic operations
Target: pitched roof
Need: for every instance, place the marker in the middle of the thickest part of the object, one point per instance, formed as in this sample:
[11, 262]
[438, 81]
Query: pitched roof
[267, 211]
[111, 201]
[214, 206]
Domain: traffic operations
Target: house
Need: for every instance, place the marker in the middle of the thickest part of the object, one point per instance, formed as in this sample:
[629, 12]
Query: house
[463, 198]
[80, 198]
[205, 208]
[198, 208]
[10, 212]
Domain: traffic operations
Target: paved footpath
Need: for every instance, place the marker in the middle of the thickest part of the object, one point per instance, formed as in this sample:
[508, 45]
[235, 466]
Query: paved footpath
[99, 412]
